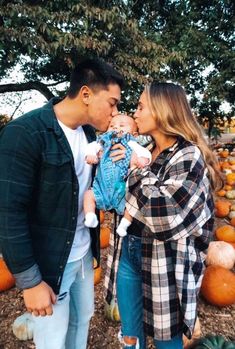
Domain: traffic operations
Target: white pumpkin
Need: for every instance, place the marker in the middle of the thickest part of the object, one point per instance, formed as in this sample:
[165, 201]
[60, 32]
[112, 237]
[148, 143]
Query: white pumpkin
[111, 310]
[23, 327]
[231, 214]
[221, 253]
[232, 208]
[230, 194]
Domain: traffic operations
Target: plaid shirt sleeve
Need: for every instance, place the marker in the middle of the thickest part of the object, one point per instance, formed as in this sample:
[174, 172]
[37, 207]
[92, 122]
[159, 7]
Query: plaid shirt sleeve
[172, 201]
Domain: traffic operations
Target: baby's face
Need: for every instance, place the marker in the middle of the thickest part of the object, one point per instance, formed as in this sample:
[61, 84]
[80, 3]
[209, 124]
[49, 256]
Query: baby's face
[122, 123]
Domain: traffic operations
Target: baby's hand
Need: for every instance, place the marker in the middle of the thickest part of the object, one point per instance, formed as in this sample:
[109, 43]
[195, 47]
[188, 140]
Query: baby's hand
[142, 162]
[91, 159]
[139, 162]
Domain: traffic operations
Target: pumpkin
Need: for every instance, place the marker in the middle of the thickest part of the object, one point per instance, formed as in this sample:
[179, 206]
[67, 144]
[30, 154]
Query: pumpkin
[97, 272]
[225, 166]
[224, 154]
[232, 161]
[97, 275]
[221, 193]
[196, 334]
[230, 178]
[213, 342]
[231, 214]
[220, 253]
[23, 327]
[104, 237]
[111, 310]
[225, 233]
[230, 194]
[218, 286]
[102, 216]
[232, 222]
[7, 280]
[228, 187]
[222, 208]
[232, 208]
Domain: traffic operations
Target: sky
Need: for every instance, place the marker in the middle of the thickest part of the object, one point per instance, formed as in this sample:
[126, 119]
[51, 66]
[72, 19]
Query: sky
[31, 100]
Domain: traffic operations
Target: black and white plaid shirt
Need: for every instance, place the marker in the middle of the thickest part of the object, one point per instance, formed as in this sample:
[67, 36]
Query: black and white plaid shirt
[172, 209]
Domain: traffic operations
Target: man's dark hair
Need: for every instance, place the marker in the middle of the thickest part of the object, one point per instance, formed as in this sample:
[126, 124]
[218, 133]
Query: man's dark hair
[94, 73]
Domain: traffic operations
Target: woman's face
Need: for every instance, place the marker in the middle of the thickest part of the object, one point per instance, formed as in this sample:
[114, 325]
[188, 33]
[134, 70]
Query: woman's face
[143, 117]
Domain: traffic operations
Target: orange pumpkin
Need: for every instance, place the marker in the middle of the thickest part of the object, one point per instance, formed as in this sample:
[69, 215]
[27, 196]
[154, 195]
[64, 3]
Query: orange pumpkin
[97, 273]
[222, 208]
[225, 233]
[230, 178]
[104, 237]
[102, 216]
[221, 192]
[228, 187]
[7, 280]
[225, 165]
[224, 154]
[218, 286]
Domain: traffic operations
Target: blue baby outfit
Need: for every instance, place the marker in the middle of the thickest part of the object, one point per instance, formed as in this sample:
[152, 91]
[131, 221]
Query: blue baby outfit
[109, 183]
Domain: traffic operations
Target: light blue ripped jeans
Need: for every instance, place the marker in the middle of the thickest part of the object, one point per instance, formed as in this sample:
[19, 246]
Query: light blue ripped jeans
[130, 297]
[68, 327]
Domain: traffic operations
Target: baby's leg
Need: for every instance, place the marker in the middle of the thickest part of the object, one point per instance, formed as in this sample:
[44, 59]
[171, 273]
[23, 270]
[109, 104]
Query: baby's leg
[124, 224]
[91, 220]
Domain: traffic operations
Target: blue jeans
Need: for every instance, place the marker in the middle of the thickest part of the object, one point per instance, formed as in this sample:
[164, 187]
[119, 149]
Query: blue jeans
[109, 186]
[69, 324]
[130, 297]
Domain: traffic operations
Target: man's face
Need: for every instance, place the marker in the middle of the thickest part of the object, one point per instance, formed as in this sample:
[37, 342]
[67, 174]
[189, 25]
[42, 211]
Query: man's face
[103, 106]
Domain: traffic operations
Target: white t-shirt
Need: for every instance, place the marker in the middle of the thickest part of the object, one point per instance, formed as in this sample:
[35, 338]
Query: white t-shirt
[78, 143]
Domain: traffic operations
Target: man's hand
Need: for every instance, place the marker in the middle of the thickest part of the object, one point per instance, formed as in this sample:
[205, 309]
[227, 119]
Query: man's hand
[39, 299]
[119, 152]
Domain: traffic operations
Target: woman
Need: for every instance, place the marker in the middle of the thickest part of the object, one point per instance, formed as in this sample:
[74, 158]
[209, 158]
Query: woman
[162, 257]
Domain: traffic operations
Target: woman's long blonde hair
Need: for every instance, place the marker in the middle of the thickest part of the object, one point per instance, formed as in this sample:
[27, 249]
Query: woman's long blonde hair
[174, 117]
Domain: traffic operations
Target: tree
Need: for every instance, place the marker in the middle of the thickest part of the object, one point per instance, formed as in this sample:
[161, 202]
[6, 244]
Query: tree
[163, 39]
[3, 120]
[47, 38]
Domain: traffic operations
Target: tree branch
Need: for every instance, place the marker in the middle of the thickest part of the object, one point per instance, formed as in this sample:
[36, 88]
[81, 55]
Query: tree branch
[30, 85]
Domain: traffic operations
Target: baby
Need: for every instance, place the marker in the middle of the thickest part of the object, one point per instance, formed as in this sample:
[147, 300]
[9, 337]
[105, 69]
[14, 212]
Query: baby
[108, 191]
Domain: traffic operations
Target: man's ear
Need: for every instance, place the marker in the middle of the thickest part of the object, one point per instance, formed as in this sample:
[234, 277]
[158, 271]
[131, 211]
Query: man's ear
[86, 93]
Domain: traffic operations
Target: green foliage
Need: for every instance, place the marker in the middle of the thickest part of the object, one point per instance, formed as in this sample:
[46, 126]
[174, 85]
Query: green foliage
[163, 39]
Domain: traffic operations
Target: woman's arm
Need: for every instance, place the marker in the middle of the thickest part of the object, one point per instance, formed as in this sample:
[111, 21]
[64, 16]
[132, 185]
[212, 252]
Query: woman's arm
[174, 205]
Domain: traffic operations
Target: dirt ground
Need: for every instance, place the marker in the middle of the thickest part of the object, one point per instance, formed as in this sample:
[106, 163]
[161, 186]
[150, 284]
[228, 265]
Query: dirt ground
[103, 332]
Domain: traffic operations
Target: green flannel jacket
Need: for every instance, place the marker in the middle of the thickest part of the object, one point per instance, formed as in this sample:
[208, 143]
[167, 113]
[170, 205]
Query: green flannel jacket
[38, 197]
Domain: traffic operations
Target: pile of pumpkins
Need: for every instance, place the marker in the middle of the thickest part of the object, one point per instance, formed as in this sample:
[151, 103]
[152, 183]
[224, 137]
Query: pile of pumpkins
[104, 242]
[7, 280]
[218, 284]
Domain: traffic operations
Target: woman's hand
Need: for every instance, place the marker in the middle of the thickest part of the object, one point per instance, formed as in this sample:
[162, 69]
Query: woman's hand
[118, 153]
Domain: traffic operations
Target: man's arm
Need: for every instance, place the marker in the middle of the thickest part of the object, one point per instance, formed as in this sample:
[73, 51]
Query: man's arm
[19, 160]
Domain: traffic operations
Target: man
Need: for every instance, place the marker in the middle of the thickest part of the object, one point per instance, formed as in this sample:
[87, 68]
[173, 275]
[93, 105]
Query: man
[43, 177]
